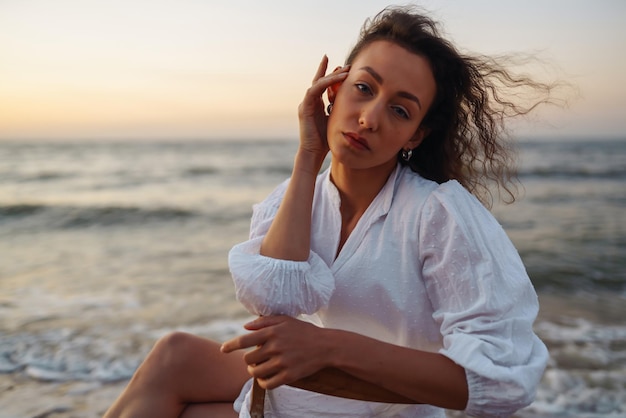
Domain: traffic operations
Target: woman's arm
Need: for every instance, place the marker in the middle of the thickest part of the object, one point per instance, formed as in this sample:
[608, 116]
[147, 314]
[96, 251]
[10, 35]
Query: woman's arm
[421, 376]
[289, 236]
[335, 382]
[347, 364]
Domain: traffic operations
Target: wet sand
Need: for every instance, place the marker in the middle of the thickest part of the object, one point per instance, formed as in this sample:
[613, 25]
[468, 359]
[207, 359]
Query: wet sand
[22, 397]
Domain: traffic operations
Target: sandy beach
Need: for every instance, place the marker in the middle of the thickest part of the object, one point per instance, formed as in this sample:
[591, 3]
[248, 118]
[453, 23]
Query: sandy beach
[23, 397]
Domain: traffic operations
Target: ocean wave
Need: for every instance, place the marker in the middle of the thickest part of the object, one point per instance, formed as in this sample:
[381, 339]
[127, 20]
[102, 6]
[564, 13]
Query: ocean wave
[586, 370]
[112, 215]
[553, 272]
[282, 170]
[574, 173]
[77, 217]
[201, 171]
[20, 210]
[26, 217]
[12, 176]
[64, 354]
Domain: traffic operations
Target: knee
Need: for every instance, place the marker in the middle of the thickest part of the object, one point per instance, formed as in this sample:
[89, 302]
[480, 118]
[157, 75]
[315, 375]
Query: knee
[169, 356]
[171, 352]
[172, 360]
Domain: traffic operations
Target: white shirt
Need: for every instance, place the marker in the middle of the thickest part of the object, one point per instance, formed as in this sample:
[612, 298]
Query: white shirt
[426, 267]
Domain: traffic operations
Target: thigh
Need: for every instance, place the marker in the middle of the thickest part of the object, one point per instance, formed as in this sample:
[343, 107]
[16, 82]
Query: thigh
[205, 410]
[203, 373]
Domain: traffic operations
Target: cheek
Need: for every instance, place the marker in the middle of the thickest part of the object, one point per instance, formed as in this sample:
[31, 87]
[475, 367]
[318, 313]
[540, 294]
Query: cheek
[333, 131]
[337, 118]
[331, 123]
[400, 135]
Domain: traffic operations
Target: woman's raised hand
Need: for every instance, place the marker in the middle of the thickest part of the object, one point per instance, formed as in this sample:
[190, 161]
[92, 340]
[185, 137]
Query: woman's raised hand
[311, 112]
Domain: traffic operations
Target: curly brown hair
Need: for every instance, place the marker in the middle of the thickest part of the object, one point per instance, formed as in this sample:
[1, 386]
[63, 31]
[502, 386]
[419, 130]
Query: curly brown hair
[467, 138]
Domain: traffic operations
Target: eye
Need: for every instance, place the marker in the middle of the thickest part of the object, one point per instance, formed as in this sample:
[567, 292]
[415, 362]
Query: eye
[400, 112]
[363, 88]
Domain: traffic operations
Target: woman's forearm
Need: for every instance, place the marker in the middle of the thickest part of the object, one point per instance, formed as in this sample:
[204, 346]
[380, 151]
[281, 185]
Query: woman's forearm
[336, 382]
[367, 369]
[289, 236]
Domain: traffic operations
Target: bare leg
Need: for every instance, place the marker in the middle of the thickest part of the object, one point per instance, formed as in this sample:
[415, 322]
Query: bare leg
[212, 410]
[181, 369]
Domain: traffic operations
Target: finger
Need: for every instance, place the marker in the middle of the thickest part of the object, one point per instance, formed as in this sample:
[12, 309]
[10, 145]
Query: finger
[230, 346]
[263, 370]
[244, 341]
[320, 85]
[268, 370]
[255, 357]
[343, 69]
[275, 380]
[321, 69]
[264, 322]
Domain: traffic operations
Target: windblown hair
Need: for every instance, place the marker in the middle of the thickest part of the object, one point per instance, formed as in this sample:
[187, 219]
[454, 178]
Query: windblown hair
[467, 138]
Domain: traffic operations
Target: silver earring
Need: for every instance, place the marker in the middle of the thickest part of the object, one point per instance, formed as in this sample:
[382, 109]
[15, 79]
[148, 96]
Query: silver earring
[406, 154]
[329, 108]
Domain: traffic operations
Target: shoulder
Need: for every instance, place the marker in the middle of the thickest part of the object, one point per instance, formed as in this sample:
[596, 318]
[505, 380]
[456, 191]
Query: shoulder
[444, 203]
[453, 211]
[408, 180]
[455, 200]
[412, 190]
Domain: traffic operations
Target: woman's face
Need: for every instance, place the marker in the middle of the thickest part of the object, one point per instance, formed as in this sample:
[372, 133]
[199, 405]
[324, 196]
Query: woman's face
[378, 109]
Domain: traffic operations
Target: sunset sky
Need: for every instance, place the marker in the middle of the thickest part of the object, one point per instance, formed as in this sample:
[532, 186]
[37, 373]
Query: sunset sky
[165, 69]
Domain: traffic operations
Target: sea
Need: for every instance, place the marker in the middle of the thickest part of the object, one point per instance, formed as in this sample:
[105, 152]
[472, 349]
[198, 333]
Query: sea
[107, 245]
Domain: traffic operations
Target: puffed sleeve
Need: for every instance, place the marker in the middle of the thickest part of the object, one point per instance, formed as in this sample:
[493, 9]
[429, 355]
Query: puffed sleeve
[483, 302]
[270, 286]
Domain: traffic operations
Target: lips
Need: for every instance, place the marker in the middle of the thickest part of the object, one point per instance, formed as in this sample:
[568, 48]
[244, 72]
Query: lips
[356, 141]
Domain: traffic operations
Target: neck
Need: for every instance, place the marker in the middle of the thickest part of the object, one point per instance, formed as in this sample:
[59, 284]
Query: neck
[358, 188]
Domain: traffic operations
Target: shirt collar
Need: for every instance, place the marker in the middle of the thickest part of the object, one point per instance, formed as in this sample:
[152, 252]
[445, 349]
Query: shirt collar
[383, 200]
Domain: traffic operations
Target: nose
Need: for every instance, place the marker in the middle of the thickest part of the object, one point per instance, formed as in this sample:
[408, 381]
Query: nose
[370, 115]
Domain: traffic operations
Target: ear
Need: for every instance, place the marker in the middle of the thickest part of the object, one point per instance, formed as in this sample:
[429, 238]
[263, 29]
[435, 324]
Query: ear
[421, 133]
[333, 89]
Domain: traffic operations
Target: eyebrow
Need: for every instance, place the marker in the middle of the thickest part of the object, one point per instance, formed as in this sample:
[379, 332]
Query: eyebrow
[380, 80]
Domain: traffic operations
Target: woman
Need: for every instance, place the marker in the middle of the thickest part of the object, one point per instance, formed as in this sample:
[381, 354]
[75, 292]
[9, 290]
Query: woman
[385, 269]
